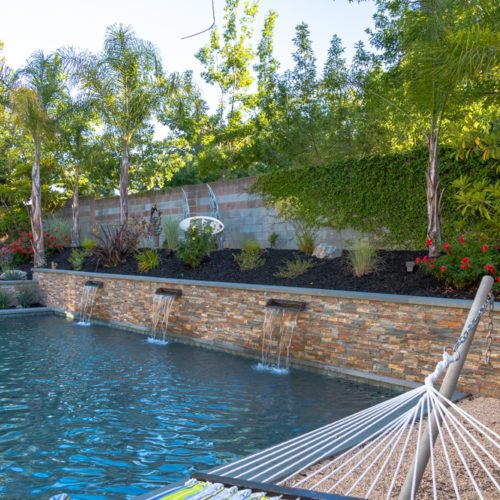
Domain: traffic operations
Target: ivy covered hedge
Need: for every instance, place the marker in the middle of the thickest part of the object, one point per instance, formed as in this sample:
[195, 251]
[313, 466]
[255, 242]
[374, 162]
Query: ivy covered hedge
[382, 195]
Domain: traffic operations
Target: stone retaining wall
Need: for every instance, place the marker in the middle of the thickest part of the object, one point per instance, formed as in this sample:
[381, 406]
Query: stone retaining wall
[398, 337]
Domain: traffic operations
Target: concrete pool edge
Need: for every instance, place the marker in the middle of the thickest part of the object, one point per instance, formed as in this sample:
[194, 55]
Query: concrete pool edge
[25, 311]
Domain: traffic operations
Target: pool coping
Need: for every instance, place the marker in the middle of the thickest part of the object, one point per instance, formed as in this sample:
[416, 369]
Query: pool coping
[382, 297]
[25, 311]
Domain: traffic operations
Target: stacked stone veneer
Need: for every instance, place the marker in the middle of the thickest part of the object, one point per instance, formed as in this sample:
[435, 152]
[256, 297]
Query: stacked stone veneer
[243, 214]
[392, 336]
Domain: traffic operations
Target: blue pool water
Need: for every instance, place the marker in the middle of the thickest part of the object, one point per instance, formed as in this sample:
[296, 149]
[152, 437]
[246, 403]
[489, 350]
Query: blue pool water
[97, 412]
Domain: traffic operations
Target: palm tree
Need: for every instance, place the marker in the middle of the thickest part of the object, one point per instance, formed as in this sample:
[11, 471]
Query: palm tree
[38, 87]
[124, 80]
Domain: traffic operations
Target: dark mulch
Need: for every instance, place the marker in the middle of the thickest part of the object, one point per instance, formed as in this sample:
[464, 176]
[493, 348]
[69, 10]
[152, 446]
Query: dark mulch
[390, 277]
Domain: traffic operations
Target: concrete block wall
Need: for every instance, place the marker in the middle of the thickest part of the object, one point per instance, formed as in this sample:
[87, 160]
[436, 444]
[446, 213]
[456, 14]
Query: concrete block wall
[243, 214]
[376, 334]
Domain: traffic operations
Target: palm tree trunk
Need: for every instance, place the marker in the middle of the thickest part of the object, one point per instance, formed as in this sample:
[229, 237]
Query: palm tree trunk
[433, 187]
[75, 208]
[124, 183]
[36, 209]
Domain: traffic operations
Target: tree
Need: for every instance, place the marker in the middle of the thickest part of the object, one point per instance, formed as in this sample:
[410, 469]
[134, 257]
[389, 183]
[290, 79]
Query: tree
[125, 81]
[77, 116]
[440, 52]
[33, 102]
[227, 64]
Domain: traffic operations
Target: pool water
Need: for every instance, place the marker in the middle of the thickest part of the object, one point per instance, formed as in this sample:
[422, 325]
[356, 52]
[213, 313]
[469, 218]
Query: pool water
[98, 412]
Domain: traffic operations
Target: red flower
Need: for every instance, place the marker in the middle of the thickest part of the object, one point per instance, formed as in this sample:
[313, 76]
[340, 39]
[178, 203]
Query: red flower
[65, 236]
[462, 239]
[428, 242]
[417, 259]
[498, 279]
[463, 266]
[425, 259]
[60, 246]
[465, 260]
[432, 266]
[432, 259]
[442, 268]
[446, 246]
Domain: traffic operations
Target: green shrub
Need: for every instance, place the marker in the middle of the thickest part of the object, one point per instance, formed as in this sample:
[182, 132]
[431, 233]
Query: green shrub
[5, 299]
[27, 296]
[273, 240]
[147, 259]
[463, 263]
[77, 257]
[294, 268]
[12, 275]
[198, 242]
[89, 244]
[171, 232]
[250, 256]
[362, 257]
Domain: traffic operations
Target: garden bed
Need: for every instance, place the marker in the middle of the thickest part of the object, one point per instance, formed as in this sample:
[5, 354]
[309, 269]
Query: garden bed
[390, 277]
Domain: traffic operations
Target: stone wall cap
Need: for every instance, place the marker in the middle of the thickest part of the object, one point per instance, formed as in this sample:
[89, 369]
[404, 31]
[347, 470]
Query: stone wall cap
[364, 296]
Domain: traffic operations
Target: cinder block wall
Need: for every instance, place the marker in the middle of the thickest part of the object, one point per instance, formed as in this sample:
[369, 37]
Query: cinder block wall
[399, 337]
[243, 214]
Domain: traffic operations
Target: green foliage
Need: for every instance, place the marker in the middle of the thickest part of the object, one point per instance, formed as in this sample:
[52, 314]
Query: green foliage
[273, 240]
[5, 299]
[381, 195]
[147, 259]
[77, 257]
[12, 275]
[171, 232]
[198, 242]
[464, 262]
[116, 243]
[363, 257]
[28, 296]
[294, 268]
[89, 243]
[250, 256]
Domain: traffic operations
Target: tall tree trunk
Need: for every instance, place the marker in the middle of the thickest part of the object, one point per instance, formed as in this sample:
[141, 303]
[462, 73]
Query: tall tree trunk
[75, 208]
[36, 209]
[433, 187]
[124, 183]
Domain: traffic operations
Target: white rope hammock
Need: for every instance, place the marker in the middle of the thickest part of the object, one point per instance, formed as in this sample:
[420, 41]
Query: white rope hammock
[369, 454]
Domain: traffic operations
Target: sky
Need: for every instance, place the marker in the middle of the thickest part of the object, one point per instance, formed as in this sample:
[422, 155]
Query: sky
[30, 25]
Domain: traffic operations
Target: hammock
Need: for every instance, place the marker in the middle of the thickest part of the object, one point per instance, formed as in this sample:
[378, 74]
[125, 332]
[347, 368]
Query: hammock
[356, 455]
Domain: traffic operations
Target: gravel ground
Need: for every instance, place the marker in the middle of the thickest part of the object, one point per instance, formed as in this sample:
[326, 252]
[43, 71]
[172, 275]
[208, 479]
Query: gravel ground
[486, 410]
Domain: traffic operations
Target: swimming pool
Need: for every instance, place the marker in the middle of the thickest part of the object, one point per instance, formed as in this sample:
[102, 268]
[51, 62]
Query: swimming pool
[98, 412]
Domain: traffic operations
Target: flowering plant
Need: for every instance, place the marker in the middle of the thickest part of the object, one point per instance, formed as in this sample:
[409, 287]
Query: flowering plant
[21, 250]
[462, 264]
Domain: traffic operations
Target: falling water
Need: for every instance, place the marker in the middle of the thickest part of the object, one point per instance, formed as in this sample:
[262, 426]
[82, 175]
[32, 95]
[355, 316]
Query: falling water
[277, 334]
[87, 301]
[162, 304]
